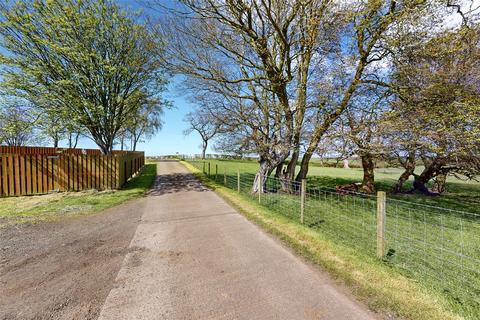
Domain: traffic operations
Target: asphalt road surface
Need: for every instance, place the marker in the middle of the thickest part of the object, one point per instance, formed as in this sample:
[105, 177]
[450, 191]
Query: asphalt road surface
[194, 257]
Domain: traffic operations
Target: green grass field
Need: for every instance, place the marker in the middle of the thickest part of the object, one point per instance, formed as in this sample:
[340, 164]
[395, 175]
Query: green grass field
[47, 207]
[436, 246]
[460, 195]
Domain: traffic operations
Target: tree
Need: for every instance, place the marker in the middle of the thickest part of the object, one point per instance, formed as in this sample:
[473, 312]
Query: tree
[52, 125]
[16, 123]
[204, 124]
[146, 122]
[438, 101]
[362, 128]
[89, 59]
[271, 65]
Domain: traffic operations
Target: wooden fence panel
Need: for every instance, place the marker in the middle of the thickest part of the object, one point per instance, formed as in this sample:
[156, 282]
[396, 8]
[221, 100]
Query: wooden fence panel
[39, 173]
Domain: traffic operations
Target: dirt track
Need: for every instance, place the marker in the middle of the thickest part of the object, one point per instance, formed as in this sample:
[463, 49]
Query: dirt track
[64, 269]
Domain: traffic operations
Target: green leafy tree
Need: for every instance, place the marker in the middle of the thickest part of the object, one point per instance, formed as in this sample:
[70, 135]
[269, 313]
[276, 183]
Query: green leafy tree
[436, 116]
[16, 123]
[88, 59]
[146, 122]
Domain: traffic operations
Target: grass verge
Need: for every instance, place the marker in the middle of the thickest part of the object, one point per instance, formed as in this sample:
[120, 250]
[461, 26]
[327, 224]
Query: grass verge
[371, 281]
[34, 209]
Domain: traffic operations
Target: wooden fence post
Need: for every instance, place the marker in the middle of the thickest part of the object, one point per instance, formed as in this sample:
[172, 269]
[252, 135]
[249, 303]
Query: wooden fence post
[260, 187]
[303, 192]
[209, 169]
[238, 180]
[216, 171]
[381, 219]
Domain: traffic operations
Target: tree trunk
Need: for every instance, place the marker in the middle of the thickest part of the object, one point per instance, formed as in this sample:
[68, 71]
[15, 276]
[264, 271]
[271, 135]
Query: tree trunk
[266, 168]
[204, 148]
[72, 142]
[264, 171]
[368, 183]
[431, 171]
[134, 142]
[77, 135]
[409, 166]
[345, 164]
[440, 183]
[302, 173]
[55, 141]
[401, 180]
[292, 165]
[279, 170]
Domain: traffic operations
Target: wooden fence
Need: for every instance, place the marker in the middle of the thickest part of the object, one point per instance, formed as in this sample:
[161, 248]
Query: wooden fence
[29, 171]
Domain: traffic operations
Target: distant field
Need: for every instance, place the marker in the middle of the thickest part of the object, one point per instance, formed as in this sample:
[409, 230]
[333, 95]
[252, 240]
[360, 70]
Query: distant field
[460, 195]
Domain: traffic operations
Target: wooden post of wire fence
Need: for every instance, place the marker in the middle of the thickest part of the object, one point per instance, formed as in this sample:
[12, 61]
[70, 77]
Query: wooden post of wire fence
[209, 169]
[260, 188]
[216, 172]
[303, 192]
[238, 180]
[381, 219]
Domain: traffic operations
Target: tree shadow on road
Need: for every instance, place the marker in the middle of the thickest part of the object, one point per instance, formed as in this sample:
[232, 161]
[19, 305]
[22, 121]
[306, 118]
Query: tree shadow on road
[176, 182]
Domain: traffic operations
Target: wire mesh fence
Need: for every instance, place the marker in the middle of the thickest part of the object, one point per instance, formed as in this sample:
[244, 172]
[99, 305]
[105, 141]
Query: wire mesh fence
[438, 247]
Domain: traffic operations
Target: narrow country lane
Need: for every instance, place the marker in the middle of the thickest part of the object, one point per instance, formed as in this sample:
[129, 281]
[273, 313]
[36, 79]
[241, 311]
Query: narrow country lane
[194, 257]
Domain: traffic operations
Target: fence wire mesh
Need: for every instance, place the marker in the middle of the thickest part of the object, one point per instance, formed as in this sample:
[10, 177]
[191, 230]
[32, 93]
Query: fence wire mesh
[438, 247]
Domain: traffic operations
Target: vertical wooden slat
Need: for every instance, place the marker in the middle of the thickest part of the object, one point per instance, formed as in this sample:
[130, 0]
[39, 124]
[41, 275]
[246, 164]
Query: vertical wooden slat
[94, 173]
[55, 175]
[49, 173]
[75, 173]
[61, 173]
[4, 175]
[28, 173]
[85, 172]
[80, 172]
[11, 182]
[107, 172]
[40, 173]
[16, 160]
[45, 173]
[100, 172]
[89, 170]
[34, 174]
[23, 188]
[78, 164]
[69, 172]
[115, 172]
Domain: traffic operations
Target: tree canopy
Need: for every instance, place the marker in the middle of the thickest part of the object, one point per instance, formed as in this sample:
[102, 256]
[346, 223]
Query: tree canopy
[91, 60]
